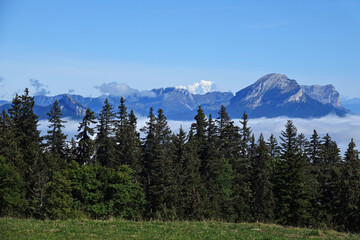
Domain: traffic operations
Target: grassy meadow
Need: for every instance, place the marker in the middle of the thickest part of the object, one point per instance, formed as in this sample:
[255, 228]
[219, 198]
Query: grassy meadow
[120, 229]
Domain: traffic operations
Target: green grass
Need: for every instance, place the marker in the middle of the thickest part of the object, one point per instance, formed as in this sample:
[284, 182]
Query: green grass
[120, 229]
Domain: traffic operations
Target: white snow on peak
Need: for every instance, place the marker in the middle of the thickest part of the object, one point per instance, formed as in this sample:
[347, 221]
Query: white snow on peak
[201, 87]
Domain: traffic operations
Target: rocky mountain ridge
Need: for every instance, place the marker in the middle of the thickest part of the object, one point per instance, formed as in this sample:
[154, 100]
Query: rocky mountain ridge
[271, 96]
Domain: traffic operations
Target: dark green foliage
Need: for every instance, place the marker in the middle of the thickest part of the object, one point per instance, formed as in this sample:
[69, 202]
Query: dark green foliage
[105, 143]
[32, 167]
[217, 176]
[12, 191]
[349, 194]
[127, 138]
[59, 200]
[241, 167]
[263, 199]
[274, 148]
[330, 181]
[101, 192]
[190, 204]
[291, 186]
[55, 137]
[162, 189]
[216, 171]
[9, 148]
[86, 147]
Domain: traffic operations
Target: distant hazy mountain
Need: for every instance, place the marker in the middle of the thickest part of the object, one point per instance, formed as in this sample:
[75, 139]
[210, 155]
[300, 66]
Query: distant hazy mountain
[271, 96]
[276, 95]
[352, 104]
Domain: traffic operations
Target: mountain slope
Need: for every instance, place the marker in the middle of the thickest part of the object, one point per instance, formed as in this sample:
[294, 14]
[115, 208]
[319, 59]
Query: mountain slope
[276, 95]
[271, 96]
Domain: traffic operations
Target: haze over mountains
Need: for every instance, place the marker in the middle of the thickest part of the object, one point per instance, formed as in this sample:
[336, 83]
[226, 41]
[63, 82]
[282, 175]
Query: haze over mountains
[272, 95]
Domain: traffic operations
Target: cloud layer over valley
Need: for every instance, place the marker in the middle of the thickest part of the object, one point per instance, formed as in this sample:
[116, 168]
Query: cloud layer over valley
[340, 129]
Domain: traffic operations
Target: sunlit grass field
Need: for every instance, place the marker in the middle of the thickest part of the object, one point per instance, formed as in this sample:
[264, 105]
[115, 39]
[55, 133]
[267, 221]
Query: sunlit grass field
[120, 229]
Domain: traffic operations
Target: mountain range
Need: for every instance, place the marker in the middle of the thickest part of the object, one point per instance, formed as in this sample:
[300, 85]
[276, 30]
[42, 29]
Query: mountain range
[271, 96]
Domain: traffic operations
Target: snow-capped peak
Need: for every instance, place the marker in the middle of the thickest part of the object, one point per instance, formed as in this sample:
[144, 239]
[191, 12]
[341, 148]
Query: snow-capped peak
[201, 87]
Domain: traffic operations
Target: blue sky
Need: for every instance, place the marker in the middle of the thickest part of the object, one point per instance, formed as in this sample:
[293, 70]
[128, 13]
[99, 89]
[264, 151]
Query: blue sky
[61, 46]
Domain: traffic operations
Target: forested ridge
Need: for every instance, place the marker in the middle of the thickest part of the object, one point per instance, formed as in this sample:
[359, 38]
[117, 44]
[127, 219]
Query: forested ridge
[216, 171]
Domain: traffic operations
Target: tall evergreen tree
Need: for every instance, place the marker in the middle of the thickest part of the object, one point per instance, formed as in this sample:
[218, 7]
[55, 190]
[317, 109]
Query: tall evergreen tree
[313, 151]
[25, 124]
[274, 148]
[163, 189]
[190, 204]
[350, 191]
[245, 133]
[8, 143]
[263, 199]
[33, 169]
[291, 187]
[55, 137]
[85, 149]
[127, 138]
[105, 143]
[330, 181]
[148, 156]
[241, 166]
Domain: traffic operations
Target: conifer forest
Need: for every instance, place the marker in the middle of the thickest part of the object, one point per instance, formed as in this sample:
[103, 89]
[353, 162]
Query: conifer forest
[215, 171]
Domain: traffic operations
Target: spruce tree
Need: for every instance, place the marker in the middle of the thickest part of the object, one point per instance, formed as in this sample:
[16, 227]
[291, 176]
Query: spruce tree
[148, 156]
[127, 138]
[350, 191]
[263, 199]
[291, 186]
[8, 142]
[105, 143]
[241, 166]
[313, 151]
[163, 189]
[274, 147]
[330, 181]
[55, 137]
[85, 149]
[33, 169]
[190, 204]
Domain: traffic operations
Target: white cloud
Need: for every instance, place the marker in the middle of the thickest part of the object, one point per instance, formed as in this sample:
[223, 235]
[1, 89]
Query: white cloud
[116, 89]
[39, 87]
[123, 90]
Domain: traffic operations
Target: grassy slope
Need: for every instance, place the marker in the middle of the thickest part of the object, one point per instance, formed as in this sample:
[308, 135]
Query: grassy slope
[120, 229]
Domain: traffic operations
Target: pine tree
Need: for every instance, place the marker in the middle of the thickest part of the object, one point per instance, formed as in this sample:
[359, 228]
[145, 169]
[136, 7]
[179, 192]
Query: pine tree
[133, 149]
[330, 181]
[274, 148]
[190, 205]
[163, 189]
[291, 186]
[25, 129]
[148, 156]
[105, 143]
[127, 138]
[245, 133]
[263, 199]
[200, 141]
[85, 148]
[350, 191]
[55, 137]
[34, 170]
[8, 143]
[313, 151]
[241, 166]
